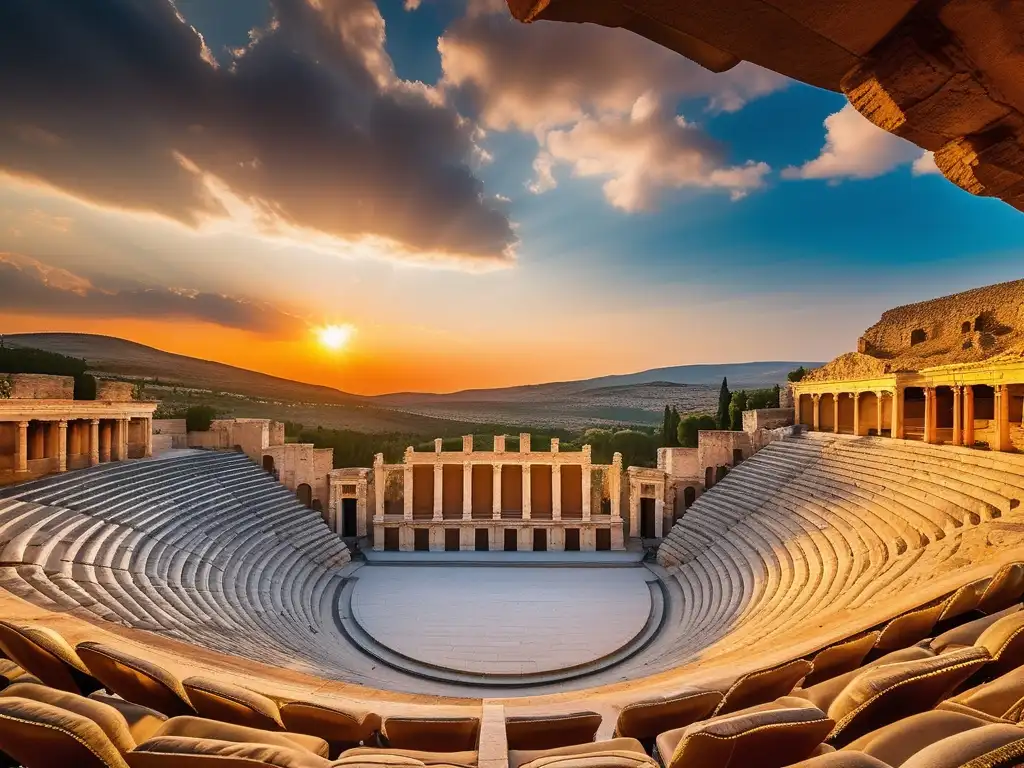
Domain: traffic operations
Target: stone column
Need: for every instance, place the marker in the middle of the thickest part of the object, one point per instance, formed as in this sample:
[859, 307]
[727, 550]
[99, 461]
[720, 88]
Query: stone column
[148, 428]
[1002, 414]
[587, 478]
[407, 481]
[897, 413]
[379, 486]
[361, 493]
[556, 491]
[115, 441]
[21, 447]
[94, 442]
[634, 510]
[929, 414]
[527, 501]
[856, 413]
[62, 446]
[816, 403]
[467, 489]
[796, 409]
[880, 409]
[958, 422]
[835, 412]
[615, 487]
[969, 416]
[438, 490]
[659, 515]
[496, 493]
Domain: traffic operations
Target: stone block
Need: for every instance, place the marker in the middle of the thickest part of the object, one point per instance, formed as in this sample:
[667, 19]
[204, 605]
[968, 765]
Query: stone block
[114, 391]
[37, 386]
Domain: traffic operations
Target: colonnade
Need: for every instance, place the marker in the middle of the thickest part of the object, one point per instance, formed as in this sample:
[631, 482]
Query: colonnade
[56, 445]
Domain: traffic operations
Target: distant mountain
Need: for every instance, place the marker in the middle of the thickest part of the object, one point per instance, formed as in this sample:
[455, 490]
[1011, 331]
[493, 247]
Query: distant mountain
[107, 354]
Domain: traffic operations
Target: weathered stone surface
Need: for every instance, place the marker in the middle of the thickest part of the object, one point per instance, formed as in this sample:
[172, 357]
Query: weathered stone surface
[37, 386]
[115, 391]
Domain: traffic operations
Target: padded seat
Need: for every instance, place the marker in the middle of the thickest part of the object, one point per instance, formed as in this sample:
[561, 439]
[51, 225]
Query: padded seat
[551, 731]
[135, 679]
[824, 693]
[465, 759]
[218, 700]
[42, 735]
[1001, 698]
[614, 753]
[44, 654]
[762, 686]
[909, 628]
[201, 728]
[445, 734]
[646, 719]
[10, 672]
[341, 729]
[897, 742]
[142, 721]
[885, 693]
[969, 632]
[1005, 589]
[765, 736]
[842, 759]
[991, 746]
[185, 752]
[964, 600]
[840, 658]
[1004, 640]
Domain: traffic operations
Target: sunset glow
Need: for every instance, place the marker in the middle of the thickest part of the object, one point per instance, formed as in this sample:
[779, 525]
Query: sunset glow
[335, 337]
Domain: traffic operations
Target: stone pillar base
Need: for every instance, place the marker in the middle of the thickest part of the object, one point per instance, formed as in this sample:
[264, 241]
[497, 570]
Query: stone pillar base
[556, 539]
[406, 539]
[526, 539]
[378, 538]
[588, 539]
[496, 539]
[437, 538]
[467, 539]
[617, 542]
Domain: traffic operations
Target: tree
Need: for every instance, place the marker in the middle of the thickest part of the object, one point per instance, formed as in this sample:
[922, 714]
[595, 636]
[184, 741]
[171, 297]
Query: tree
[797, 375]
[690, 426]
[666, 427]
[199, 418]
[724, 398]
[674, 431]
[737, 406]
[637, 448]
[763, 398]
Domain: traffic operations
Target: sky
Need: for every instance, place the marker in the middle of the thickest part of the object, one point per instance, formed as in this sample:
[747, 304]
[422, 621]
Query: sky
[474, 202]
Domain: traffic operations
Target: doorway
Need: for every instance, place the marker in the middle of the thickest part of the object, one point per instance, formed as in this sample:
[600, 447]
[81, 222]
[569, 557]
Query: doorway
[572, 539]
[483, 543]
[511, 540]
[349, 509]
[540, 540]
[646, 518]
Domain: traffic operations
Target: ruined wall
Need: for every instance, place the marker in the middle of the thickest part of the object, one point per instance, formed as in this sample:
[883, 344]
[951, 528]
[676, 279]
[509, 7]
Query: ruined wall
[38, 386]
[716, 448]
[114, 391]
[275, 434]
[302, 463]
[767, 418]
[679, 462]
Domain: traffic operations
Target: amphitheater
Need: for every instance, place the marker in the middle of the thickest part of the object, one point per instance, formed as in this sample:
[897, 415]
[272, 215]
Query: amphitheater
[847, 595]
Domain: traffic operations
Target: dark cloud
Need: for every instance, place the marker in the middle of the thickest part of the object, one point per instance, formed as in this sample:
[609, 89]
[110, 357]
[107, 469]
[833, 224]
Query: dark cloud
[120, 102]
[28, 286]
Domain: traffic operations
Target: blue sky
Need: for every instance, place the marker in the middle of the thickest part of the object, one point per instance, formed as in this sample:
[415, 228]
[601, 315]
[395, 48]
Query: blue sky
[530, 203]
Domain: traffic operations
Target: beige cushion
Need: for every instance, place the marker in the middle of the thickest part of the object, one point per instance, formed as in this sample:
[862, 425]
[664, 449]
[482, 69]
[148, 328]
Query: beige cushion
[1004, 590]
[143, 722]
[377, 761]
[969, 632]
[896, 742]
[135, 679]
[823, 694]
[1004, 640]
[42, 735]
[965, 599]
[341, 728]
[960, 750]
[464, 758]
[765, 736]
[518, 758]
[842, 759]
[763, 685]
[1002, 697]
[46, 655]
[605, 759]
[646, 719]
[112, 722]
[551, 731]
[201, 728]
[442, 734]
[840, 658]
[912, 627]
[184, 752]
[9, 672]
[880, 695]
[232, 704]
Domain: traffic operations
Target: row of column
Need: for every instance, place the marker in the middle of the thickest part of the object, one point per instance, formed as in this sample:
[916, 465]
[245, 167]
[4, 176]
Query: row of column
[107, 444]
[896, 416]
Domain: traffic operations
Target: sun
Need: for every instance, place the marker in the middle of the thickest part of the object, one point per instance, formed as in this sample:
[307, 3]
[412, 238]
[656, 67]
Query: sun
[335, 337]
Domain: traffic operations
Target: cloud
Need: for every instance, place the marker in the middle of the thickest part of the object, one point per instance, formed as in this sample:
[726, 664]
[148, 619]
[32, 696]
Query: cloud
[28, 286]
[925, 165]
[855, 148]
[642, 156]
[308, 124]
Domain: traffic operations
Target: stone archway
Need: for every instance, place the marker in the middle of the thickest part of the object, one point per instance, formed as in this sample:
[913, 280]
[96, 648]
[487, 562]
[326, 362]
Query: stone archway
[689, 496]
[305, 494]
[268, 464]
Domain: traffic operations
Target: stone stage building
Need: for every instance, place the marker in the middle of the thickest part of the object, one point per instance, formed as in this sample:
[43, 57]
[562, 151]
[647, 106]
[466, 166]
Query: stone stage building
[43, 429]
[949, 370]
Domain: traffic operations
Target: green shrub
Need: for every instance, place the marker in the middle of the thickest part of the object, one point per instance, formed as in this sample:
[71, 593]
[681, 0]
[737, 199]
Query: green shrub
[199, 418]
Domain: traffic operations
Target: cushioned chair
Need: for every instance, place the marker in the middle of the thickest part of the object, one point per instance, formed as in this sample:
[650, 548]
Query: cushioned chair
[765, 736]
[840, 658]
[135, 679]
[41, 735]
[185, 752]
[1002, 698]
[1004, 641]
[885, 693]
[645, 719]
[551, 731]
[614, 753]
[841, 760]
[897, 742]
[46, 655]
[426, 734]
[11, 672]
[232, 704]
[201, 728]
[907, 629]
[464, 759]
[824, 693]
[142, 721]
[342, 729]
[968, 633]
[762, 686]
[991, 746]
[1005, 589]
[962, 602]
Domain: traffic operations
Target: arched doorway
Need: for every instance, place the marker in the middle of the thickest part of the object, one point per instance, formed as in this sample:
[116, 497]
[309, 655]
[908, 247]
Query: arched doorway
[827, 413]
[709, 477]
[268, 464]
[689, 496]
[305, 494]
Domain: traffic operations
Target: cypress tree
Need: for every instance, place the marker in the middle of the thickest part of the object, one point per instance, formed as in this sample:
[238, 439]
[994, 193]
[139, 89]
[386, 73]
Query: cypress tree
[666, 427]
[673, 433]
[724, 399]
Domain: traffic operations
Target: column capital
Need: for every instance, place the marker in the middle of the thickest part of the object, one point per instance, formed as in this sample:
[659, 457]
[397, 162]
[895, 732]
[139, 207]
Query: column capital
[22, 425]
[62, 424]
[94, 422]
[815, 396]
[856, 396]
